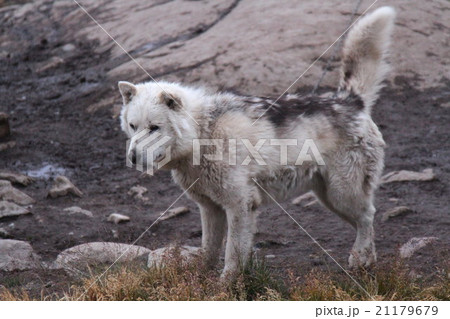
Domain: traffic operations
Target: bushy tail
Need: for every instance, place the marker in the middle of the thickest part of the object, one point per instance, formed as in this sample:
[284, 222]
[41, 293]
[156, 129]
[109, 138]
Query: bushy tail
[364, 53]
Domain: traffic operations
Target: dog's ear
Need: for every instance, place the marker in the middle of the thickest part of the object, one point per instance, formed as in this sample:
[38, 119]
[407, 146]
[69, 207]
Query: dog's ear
[172, 101]
[128, 91]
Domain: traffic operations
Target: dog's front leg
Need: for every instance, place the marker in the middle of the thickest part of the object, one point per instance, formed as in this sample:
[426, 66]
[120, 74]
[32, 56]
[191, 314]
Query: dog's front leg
[213, 230]
[241, 228]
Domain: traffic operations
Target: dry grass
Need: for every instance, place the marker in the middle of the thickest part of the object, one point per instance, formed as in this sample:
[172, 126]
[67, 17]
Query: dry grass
[181, 280]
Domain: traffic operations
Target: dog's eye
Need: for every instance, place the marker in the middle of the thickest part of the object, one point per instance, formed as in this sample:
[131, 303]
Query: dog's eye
[133, 127]
[154, 128]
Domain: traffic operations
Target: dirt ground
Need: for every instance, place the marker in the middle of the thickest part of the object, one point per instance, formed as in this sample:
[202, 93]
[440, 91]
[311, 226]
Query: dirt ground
[48, 100]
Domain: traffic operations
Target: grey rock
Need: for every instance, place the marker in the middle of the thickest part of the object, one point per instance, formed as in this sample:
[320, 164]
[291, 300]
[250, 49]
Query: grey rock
[9, 193]
[405, 176]
[51, 63]
[396, 211]
[156, 257]
[302, 198]
[17, 255]
[97, 253]
[62, 187]
[118, 218]
[16, 178]
[171, 213]
[8, 209]
[77, 210]
[138, 192]
[414, 244]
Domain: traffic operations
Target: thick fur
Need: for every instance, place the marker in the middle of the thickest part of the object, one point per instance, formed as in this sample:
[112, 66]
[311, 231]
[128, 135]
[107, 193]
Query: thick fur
[364, 64]
[228, 195]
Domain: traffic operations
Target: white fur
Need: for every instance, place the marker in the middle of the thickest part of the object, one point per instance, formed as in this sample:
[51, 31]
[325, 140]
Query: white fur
[228, 197]
[364, 54]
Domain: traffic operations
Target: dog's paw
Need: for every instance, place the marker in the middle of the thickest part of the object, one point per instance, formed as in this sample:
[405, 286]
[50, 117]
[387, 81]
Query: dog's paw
[359, 260]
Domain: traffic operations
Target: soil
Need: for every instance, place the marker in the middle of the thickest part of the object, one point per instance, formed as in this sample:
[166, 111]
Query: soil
[55, 134]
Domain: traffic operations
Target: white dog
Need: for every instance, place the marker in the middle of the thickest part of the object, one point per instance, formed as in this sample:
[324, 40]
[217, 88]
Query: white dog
[233, 153]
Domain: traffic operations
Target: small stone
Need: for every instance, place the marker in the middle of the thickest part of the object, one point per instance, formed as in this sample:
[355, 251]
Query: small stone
[115, 233]
[171, 213]
[17, 255]
[51, 63]
[118, 218]
[304, 197]
[4, 125]
[7, 145]
[269, 256]
[396, 211]
[311, 203]
[404, 176]
[63, 186]
[4, 233]
[78, 210]
[138, 192]
[414, 244]
[16, 178]
[9, 193]
[68, 47]
[8, 209]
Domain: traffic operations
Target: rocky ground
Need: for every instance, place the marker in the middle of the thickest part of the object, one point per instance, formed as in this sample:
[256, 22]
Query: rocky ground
[58, 87]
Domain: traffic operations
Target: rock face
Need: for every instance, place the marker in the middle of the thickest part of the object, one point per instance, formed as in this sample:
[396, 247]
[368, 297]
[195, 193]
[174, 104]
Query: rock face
[8, 209]
[156, 257]
[414, 244]
[62, 187]
[16, 178]
[98, 253]
[17, 255]
[9, 193]
[405, 176]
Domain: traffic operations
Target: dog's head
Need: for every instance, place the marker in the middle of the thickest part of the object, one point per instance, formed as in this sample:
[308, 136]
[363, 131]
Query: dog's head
[157, 120]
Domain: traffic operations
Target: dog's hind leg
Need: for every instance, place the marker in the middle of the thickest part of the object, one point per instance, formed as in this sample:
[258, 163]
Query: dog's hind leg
[354, 206]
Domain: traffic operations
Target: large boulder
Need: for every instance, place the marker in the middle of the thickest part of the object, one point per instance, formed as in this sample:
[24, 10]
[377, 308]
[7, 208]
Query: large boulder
[156, 257]
[97, 253]
[17, 255]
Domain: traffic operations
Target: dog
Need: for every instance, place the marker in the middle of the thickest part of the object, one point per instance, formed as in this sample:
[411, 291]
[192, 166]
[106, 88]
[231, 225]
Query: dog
[251, 146]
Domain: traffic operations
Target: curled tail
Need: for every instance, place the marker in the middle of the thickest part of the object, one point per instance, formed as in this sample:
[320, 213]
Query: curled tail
[364, 53]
